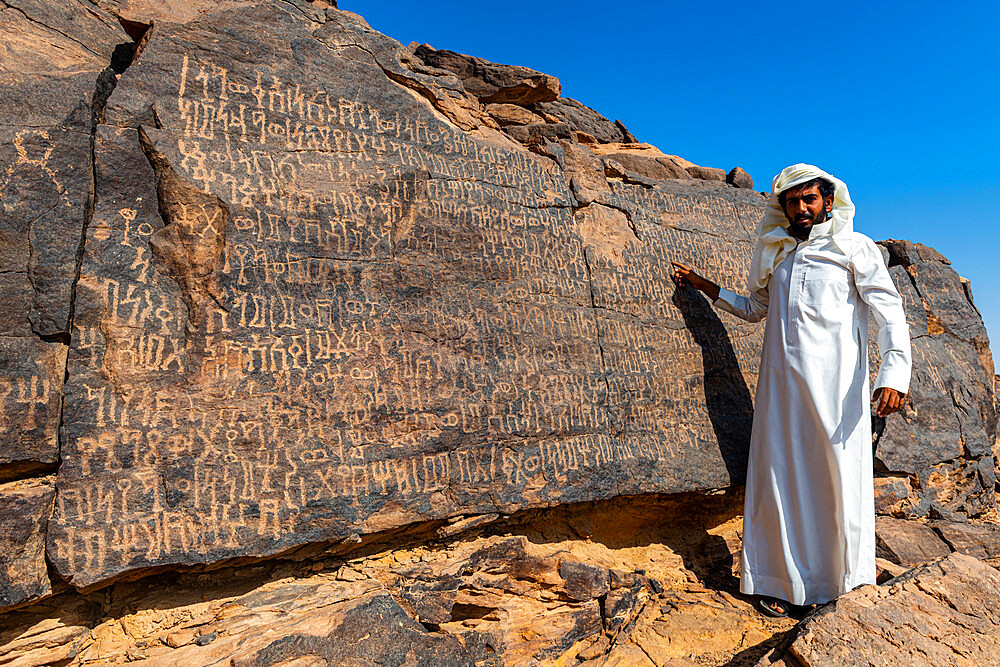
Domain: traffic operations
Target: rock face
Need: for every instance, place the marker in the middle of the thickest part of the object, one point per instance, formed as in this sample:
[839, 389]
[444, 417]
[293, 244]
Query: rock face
[567, 585]
[322, 295]
[53, 76]
[26, 506]
[492, 83]
[941, 614]
[943, 438]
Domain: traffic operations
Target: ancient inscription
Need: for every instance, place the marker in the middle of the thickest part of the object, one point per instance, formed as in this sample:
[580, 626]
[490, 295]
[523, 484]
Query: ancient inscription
[309, 307]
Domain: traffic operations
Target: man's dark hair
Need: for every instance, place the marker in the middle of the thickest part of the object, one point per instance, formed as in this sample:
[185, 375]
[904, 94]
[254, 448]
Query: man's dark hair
[826, 189]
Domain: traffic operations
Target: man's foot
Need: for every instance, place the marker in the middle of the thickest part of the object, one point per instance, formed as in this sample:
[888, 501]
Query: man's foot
[772, 607]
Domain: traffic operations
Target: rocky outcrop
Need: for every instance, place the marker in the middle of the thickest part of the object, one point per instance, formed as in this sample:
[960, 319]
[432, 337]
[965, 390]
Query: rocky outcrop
[941, 614]
[54, 76]
[576, 584]
[322, 295]
[489, 82]
[940, 446]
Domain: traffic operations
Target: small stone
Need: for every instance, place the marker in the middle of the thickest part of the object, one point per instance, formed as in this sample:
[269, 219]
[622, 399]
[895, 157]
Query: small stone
[739, 178]
[179, 638]
[205, 640]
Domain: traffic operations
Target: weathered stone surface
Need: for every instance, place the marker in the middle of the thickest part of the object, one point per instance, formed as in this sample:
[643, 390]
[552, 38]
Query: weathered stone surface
[24, 511]
[627, 136]
[658, 167]
[491, 82]
[979, 540]
[947, 613]
[512, 114]
[945, 434]
[582, 119]
[54, 74]
[524, 597]
[585, 172]
[996, 410]
[891, 493]
[706, 173]
[145, 12]
[739, 178]
[907, 543]
[311, 306]
[329, 301]
[50, 632]
[31, 377]
[539, 131]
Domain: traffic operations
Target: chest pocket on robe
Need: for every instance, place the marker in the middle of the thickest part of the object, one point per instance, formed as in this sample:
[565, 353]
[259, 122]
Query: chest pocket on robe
[826, 285]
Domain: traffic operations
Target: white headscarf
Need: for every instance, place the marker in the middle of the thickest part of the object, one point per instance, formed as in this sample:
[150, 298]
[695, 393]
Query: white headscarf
[774, 242]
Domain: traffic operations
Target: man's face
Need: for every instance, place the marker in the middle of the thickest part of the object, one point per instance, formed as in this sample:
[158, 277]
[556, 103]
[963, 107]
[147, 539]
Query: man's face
[805, 207]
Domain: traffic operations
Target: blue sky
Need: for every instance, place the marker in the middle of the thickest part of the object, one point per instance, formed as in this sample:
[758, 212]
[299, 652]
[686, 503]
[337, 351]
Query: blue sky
[900, 100]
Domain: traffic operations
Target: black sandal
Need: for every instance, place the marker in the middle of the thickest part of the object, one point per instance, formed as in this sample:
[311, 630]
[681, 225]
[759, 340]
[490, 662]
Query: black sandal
[772, 607]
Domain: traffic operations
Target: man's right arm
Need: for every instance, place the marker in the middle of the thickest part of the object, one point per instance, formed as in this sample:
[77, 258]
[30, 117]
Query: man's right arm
[752, 309]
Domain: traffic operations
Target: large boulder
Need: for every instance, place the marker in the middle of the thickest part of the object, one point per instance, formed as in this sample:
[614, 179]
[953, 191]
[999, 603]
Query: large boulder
[943, 439]
[945, 613]
[312, 306]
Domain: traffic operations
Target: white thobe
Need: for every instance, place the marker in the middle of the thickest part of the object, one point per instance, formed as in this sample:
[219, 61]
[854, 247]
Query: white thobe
[809, 515]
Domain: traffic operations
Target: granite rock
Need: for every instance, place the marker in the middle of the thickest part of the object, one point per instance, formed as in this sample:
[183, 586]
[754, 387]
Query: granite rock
[493, 83]
[57, 68]
[26, 506]
[322, 295]
[946, 613]
[944, 435]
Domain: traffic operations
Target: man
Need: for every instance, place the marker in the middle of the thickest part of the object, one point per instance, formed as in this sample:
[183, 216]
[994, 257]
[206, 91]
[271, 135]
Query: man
[809, 515]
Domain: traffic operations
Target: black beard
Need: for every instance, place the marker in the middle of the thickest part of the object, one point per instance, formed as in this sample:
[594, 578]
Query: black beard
[801, 228]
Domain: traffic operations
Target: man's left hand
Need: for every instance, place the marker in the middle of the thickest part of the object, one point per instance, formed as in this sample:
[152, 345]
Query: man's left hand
[886, 401]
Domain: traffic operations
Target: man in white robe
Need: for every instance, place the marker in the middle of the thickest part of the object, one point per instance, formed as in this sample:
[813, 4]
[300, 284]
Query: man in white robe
[809, 514]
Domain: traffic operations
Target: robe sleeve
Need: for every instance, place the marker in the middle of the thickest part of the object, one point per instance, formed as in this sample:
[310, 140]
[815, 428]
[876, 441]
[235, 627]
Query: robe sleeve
[752, 309]
[875, 286]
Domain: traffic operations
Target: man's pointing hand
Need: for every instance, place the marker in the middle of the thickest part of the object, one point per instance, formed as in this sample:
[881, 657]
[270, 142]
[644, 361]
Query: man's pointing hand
[685, 275]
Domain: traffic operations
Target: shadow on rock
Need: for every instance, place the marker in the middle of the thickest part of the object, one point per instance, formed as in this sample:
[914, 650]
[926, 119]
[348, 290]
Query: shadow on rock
[727, 397]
